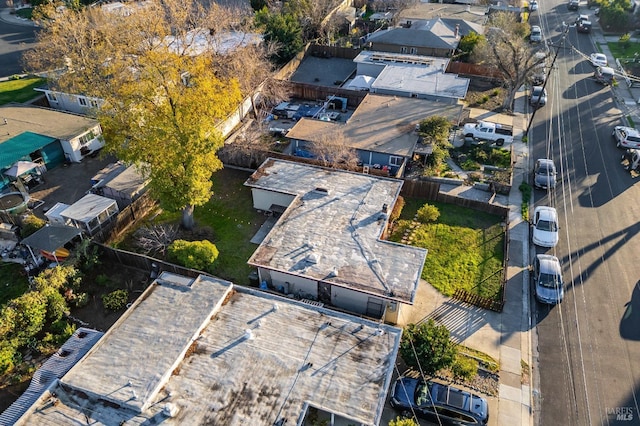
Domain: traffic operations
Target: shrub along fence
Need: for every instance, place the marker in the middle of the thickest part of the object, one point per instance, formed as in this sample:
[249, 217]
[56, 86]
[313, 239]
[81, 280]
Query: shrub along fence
[143, 262]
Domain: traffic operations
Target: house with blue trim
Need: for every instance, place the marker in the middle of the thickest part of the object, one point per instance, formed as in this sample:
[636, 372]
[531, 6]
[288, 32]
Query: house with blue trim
[382, 130]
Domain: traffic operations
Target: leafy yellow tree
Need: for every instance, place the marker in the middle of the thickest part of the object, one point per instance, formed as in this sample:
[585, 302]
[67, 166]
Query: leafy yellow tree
[161, 96]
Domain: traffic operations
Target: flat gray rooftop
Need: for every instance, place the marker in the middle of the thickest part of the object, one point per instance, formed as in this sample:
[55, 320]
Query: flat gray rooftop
[253, 358]
[323, 71]
[421, 79]
[339, 228]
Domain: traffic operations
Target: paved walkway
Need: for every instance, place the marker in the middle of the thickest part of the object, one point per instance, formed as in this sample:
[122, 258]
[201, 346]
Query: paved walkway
[627, 98]
[504, 336]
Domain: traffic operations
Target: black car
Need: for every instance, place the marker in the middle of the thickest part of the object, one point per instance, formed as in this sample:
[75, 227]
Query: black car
[584, 27]
[439, 403]
[573, 4]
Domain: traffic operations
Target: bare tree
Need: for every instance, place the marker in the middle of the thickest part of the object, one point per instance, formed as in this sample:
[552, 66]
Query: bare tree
[506, 49]
[332, 151]
[155, 239]
[255, 74]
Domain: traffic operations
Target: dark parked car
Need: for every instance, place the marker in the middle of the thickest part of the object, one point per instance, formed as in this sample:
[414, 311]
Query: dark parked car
[584, 26]
[544, 174]
[439, 403]
[573, 4]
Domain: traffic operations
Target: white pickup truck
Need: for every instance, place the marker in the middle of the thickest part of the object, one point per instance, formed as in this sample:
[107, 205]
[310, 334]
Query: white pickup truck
[487, 131]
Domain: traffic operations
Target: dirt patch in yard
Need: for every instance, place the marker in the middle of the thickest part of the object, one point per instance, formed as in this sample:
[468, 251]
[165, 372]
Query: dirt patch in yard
[103, 279]
[485, 94]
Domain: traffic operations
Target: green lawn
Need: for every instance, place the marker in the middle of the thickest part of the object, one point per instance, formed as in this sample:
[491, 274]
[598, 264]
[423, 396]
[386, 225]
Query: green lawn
[234, 221]
[19, 90]
[25, 12]
[466, 248]
[13, 282]
[624, 50]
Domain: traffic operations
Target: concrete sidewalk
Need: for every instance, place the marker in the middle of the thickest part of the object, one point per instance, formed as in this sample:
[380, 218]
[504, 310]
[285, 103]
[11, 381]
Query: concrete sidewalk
[505, 336]
[627, 98]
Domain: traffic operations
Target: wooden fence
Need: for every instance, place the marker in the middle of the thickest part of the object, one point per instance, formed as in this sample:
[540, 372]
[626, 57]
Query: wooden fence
[134, 211]
[420, 189]
[333, 51]
[143, 262]
[465, 68]
[479, 301]
[315, 93]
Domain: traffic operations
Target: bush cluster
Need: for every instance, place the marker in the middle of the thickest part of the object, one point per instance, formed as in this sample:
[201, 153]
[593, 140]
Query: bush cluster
[34, 320]
[428, 213]
[115, 300]
[427, 346]
[199, 255]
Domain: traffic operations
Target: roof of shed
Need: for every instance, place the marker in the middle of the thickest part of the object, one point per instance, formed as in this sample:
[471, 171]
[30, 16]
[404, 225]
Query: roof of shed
[51, 237]
[87, 208]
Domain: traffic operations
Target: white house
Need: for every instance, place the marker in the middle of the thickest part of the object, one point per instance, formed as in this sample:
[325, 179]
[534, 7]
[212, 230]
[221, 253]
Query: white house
[46, 136]
[412, 76]
[326, 244]
[79, 104]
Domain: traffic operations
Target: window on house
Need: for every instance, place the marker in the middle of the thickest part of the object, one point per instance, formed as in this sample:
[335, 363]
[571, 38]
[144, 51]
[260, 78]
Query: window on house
[52, 97]
[82, 101]
[395, 160]
[414, 51]
[86, 138]
[403, 49]
[93, 103]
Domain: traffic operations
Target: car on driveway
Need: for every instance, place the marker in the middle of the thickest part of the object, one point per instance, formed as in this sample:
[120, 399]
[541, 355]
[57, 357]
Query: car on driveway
[544, 174]
[626, 137]
[536, 34]
[545, 226]
[538, 96]
[547, 277]
[533, 6]
[598, 59]
[439, 403]
[573, 4]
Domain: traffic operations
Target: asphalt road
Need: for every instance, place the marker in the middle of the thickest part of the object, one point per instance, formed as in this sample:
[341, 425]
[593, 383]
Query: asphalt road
[589, 345]
[14, 40]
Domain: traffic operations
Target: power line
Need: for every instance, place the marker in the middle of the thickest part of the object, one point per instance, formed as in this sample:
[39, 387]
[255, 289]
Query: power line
[544, 85]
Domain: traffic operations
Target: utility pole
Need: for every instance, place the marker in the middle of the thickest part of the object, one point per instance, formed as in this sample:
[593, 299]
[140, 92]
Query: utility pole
[544, 85]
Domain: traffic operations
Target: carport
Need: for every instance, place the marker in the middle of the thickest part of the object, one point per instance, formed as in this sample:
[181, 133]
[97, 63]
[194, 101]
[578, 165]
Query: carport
[50, 238]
